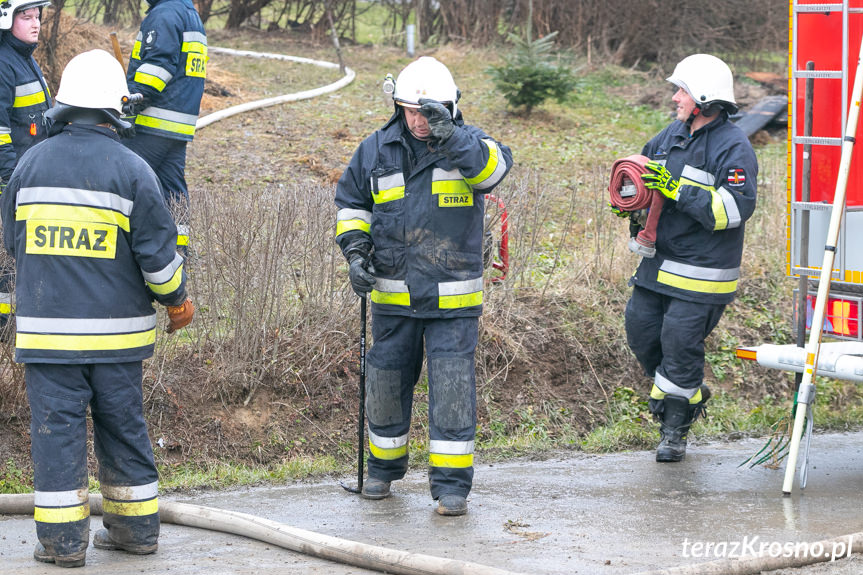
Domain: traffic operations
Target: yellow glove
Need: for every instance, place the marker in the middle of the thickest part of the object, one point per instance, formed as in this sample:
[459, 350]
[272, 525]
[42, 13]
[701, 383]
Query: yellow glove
[659, 178]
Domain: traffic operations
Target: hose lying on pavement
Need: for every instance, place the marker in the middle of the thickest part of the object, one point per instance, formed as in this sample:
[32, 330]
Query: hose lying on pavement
[770, 561]
[627, 192]
[307, 542]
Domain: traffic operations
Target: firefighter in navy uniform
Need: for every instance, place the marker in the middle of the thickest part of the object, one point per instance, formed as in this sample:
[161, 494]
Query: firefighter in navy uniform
[94, 245]
[24, 98]
[707, 170]
[410, 223]
[168, 66]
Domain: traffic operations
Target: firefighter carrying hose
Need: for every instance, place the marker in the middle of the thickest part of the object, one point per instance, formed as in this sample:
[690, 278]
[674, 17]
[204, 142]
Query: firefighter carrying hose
[410, 223]
[24, 98]
[168, 66]
[94, 245]
[705, 167]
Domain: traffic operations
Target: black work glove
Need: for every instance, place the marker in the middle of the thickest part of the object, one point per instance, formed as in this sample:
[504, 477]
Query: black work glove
[439, 119]
[361, 276]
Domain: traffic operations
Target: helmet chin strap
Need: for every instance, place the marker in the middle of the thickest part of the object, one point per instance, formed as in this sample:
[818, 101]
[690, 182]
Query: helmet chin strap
[692, 115]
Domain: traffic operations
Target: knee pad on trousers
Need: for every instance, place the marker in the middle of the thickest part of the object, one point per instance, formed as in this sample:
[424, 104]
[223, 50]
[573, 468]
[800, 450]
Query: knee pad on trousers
[451, 384]
[384, 396]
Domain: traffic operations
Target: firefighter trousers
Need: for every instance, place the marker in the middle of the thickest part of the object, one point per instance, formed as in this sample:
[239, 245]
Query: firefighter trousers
[167, 157]
[667, 335]
[59, 395]
[393, 368]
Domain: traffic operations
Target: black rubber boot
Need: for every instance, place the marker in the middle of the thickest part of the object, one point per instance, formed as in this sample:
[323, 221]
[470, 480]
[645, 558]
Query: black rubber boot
[43, 555]
[102, 540]
[451, 505]
[676, 419]
[375, 489]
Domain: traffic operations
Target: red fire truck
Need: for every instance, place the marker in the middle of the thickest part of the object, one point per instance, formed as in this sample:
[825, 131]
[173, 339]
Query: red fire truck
[824, 208]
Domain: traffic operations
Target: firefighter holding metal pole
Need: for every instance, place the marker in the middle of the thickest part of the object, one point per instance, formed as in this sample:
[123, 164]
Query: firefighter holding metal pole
[94, 245]
[707, 170]
[24, 98]
[168, 66]
[410, 223]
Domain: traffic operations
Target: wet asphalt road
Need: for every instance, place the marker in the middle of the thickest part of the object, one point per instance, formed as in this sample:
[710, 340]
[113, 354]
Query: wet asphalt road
[612, 514]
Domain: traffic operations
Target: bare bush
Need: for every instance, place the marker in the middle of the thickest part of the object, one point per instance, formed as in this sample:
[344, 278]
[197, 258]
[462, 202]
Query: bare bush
[263, 276]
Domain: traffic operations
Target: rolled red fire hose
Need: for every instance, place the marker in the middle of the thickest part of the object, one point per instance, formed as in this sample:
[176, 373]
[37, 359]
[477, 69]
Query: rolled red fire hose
[627, 192]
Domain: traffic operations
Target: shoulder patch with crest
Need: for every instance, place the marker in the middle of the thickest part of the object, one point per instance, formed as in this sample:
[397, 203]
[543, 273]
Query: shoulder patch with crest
[150, 38]
[736, 177]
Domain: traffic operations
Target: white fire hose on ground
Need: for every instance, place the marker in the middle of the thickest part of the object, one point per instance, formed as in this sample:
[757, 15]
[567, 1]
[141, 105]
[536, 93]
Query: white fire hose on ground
[258, 104]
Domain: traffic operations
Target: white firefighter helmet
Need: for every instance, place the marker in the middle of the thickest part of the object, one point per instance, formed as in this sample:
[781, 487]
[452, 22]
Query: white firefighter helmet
[95, 80]
[425, 77]
[707, 80]
[91, 90]
[9, 7]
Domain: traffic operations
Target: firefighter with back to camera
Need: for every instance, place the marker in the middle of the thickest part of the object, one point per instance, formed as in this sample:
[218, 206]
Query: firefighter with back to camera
[94, 245]
[168, 67]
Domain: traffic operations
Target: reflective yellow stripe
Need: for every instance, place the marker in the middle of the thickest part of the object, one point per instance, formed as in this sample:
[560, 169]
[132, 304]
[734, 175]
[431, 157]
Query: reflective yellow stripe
[388, 453]
[71, 214]
[458, 301]
[61, 514]
[450, 187]
[687, 182]
[196, 47]
[716, 204]
[165, 125]
[131, 508]
[656, 393]
[718, 207]
[170, 285]
[136, 50]
[31, 100]
[182, 240]
[5, 139]
[490, 166]
[447, 460]
[348, 225]
[5, 308]
[150, 80]
[384, 196]
[701, 286]
[391, 298]
[84, 342]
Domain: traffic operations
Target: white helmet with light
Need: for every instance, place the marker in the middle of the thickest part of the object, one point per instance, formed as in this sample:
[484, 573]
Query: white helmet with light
[8, 8]
[92, 86]
[708, 81]
[425, 77]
